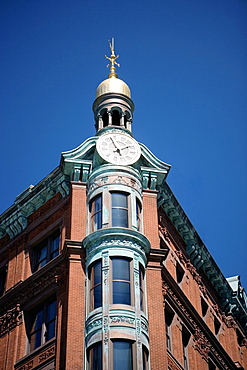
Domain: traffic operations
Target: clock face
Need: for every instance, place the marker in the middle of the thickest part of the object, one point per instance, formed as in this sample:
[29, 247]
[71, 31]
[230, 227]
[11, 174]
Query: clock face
[118, 148]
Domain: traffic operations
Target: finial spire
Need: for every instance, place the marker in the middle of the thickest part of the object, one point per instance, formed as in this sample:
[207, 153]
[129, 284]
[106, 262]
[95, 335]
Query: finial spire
[112, 60]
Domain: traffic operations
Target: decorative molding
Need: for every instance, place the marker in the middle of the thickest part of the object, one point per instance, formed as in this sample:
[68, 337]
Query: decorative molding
[24, 291]
[10, 320]
[229, 321]
[116, 237]
[15, 219]
[172, 364]
[123, 319]
[201, 344]
[94, 325]
[61, 277]
[199, 255]
[117, 177]
[44, 357]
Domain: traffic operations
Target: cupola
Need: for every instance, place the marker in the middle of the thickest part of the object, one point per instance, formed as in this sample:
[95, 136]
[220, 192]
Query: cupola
[113, 105]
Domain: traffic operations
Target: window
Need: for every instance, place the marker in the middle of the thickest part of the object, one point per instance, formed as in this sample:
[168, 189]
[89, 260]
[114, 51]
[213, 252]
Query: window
[185, 341]
[119, 209]
[95, 357]
[3, 276]
[141, 286]
[46, 251]
[115, 118]
[204, 307]
[216, 325]
[179, 273]
[169, 315]
[122, 355]
[95, 277]
[211, 365]
[96, 212]
[138, 214]
[144, 358]
[121, 281]
[41, 324]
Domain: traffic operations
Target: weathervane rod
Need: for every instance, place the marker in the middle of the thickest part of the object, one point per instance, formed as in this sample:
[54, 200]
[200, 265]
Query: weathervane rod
[112, 60]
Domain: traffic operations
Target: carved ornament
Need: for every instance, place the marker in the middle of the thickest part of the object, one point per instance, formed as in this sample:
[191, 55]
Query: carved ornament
[10, 320]
[114, 179]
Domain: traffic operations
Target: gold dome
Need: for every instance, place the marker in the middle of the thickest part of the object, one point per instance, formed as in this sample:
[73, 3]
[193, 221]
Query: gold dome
[113, 85]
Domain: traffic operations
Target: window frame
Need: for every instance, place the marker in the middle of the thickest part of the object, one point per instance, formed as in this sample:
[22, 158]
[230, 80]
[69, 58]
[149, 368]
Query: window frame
[3, 278]
[131, 344]
[142, 287]
[92, 287]
[169, 317]
[37, 336]
[127, 208]
[93, 213]
[90, 356]
[48, 243]
[186, 336]
[129, 282]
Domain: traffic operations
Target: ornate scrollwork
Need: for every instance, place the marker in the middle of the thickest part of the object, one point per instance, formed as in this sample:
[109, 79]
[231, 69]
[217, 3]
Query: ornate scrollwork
[10, 320]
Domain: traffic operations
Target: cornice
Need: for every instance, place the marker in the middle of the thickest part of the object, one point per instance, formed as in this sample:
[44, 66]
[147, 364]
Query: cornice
[199, 255]
[116, 238]
[14, 220]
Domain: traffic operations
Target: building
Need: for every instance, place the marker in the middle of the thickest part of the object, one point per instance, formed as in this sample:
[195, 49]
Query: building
[100, 268]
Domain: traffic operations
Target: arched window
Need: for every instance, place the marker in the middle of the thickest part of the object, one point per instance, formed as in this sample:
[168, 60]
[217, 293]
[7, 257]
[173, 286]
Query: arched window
[115, 117]
[105, 119]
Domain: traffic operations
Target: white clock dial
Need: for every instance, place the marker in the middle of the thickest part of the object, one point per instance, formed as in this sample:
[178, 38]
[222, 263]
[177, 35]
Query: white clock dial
[118, 148]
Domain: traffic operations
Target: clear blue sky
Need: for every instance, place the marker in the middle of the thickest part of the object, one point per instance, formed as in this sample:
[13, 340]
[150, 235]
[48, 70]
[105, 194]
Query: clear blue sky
[186, 64]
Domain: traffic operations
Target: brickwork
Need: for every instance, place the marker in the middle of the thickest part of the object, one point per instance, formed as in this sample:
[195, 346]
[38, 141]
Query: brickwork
[75, 313]
[78, 211]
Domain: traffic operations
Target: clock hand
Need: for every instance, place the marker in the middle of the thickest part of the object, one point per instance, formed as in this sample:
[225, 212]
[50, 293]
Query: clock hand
[125, 147]
[117, 148]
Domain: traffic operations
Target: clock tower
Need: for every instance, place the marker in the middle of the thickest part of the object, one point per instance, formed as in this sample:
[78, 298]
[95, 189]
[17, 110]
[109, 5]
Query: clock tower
[117, 171]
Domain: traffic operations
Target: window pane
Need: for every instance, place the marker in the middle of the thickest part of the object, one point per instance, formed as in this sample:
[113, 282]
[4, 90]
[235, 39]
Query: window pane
[121, 269]
[97, 296]
[144, 358]
[121, 292]
[119, 217]
[38, 320]
[54, 247]
[122, 355]
[119, 200]
[97, 273]
[97, 204]
[96, 211]
[95, 276]
[51, 311]
[50, 330]
[95, 357]
[42, 256]
[36, 331]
